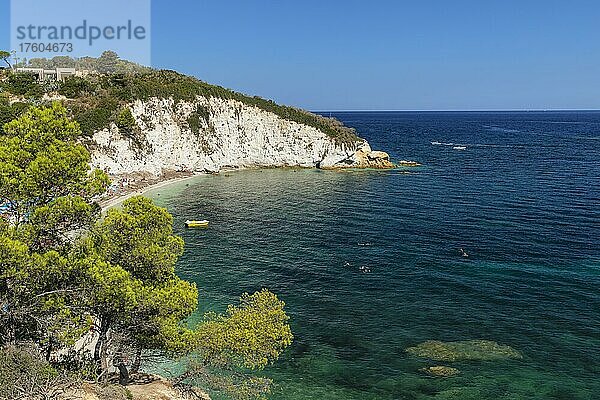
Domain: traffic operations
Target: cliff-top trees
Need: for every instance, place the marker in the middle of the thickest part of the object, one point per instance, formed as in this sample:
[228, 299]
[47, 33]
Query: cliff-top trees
[4, 56]
[45, 190]
[45, 178]
[141, 305]
[65, 272]
[249, 336]
[138, 301]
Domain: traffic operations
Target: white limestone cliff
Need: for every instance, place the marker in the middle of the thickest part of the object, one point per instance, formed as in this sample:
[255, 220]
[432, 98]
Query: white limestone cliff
[234, 136]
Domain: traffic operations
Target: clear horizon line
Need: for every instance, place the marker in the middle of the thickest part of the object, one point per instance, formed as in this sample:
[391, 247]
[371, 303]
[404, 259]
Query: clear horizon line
[470, 110]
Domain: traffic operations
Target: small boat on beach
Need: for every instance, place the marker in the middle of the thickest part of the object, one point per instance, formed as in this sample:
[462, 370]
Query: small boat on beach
[196, 224]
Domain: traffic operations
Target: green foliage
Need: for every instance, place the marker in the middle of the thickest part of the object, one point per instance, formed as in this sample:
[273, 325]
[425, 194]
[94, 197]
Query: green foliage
[40, 162]
[131, 257]
[170, 84]
[111, 392]
[23, 375]
[94, 100]
[94, 113]
[129, 128]
[251, 335]
[45, 181]
[114, 291]
[5, 55]
[139, 237]
[15, 363]
[126, 123]
[26, 375]
[200, 116]
[23, 84]
[75, 86]
[55, 62]
[47, 222]
[233, 384]
[108, 62]
[9, 111]
[35, 293]
[64, 271]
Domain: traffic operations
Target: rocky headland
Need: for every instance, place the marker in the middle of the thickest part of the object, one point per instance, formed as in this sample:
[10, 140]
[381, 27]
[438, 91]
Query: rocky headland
[232, 135]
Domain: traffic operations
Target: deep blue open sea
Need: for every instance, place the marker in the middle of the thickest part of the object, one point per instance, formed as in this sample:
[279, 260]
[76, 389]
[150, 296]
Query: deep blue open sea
[368, 262]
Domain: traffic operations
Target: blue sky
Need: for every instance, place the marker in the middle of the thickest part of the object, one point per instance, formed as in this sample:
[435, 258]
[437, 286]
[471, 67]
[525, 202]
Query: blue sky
[386, 55]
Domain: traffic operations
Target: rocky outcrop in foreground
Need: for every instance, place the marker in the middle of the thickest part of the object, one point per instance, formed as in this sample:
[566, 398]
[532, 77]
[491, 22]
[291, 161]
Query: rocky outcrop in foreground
[153, 388]
[169, 136]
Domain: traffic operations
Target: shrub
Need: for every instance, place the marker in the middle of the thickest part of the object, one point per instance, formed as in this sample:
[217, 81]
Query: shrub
[94, 114]
[8, 111]
[24, 374]
[201, 114]
[75, 86]
[170, 84]
[107, 62]
[116, 90]
[23, 84]
[129, 128]
[126, 123]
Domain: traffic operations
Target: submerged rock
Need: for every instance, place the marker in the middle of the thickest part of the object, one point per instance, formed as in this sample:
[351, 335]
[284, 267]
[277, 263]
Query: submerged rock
[440, 371]
[463, 350]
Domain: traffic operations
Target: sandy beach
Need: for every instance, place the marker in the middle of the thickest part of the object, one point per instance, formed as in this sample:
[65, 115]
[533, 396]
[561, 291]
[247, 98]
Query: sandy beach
[121, 197]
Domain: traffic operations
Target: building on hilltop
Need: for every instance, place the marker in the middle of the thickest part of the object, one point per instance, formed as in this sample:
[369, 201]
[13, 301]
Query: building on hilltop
[56, 74]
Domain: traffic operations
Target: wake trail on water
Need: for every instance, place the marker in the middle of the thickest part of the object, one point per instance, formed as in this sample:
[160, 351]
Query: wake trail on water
[507, 146]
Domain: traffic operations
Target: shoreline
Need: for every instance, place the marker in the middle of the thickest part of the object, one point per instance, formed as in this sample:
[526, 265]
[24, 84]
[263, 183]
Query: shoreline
[114, 201]
[118, 198]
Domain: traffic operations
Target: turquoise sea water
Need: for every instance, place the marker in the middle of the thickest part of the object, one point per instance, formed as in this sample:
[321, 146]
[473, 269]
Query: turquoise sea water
[368, 262]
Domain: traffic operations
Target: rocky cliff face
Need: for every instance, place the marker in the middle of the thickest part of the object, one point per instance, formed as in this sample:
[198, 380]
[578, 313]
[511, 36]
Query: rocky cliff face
[230, 134]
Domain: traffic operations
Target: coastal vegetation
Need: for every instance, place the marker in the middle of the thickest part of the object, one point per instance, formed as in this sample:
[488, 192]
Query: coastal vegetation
[108, 63]
[82, 295]
[111, 85]
[4, 56]
[23, 84]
